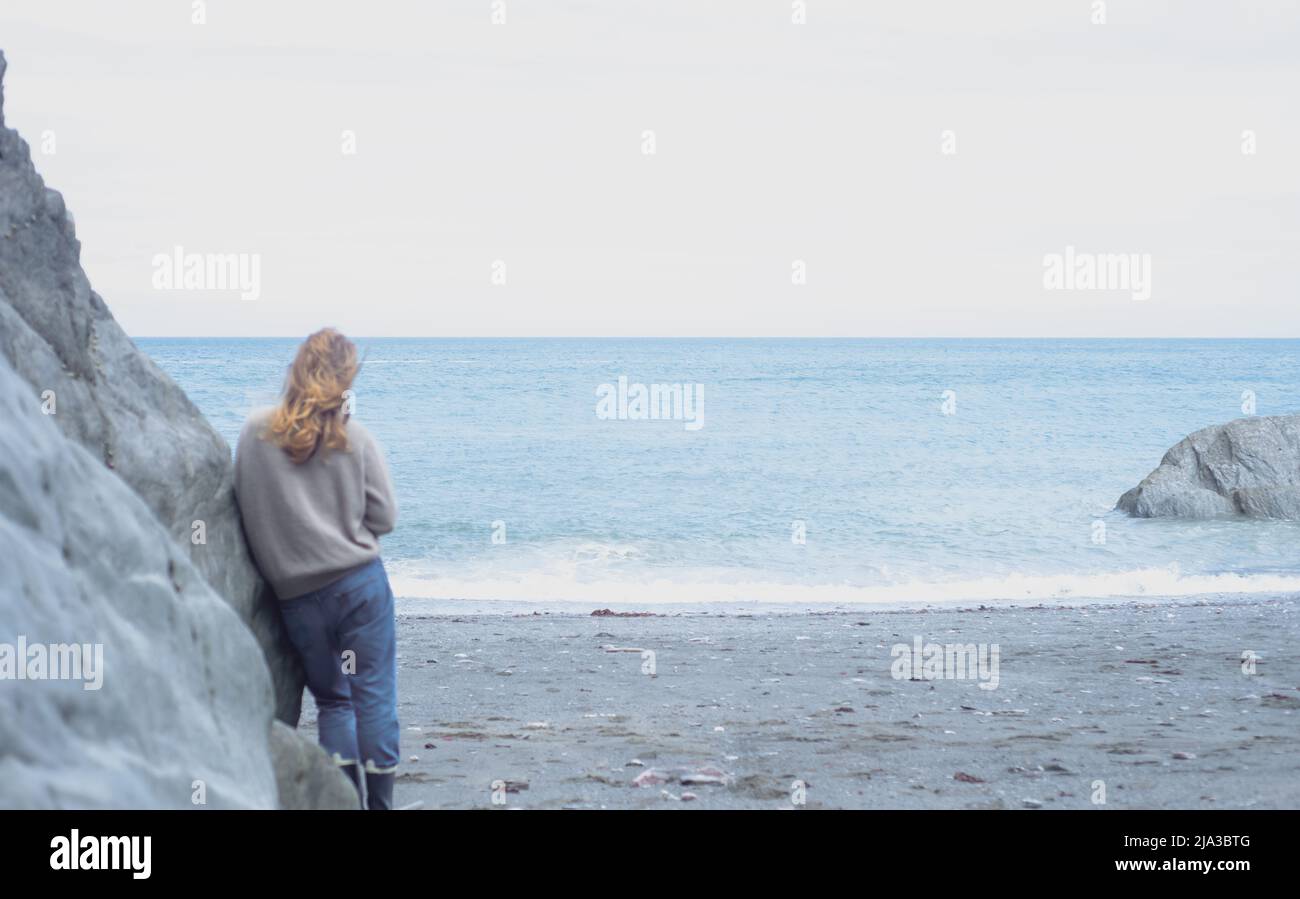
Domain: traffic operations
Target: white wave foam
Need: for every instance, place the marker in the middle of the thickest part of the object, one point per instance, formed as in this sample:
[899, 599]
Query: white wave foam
[550, 588]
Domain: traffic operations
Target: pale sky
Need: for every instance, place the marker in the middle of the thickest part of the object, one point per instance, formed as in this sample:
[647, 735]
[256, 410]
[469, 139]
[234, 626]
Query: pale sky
[775, 142]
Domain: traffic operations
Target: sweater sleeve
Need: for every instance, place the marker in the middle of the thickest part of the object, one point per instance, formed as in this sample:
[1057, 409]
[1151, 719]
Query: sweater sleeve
[381, 505]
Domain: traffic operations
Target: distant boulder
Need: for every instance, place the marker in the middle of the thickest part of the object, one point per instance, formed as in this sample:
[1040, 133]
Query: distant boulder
[1249, 467]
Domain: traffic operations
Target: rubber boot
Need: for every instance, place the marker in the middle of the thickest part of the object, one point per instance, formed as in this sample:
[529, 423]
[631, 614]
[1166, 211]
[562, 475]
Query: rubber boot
[379, 791]
[353, 771]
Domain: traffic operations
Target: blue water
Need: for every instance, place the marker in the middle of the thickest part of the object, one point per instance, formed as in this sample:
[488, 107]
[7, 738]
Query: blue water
[899, 501]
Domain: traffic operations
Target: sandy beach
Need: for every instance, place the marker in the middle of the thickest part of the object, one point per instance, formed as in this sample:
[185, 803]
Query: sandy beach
[735, 710]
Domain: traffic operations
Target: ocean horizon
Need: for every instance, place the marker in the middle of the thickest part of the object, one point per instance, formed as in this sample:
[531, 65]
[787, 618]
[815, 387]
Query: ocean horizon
[820, 471]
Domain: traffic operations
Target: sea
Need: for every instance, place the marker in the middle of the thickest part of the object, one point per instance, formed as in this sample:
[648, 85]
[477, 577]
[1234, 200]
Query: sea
[790, 473]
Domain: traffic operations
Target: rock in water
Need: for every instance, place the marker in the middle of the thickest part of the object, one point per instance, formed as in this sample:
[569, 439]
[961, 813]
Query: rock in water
[1248, 467]
[306, 776]
[181, 714]
[109, 397]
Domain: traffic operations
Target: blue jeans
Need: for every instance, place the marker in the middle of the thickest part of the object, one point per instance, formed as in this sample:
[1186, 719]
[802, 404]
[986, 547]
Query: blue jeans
[346, 635]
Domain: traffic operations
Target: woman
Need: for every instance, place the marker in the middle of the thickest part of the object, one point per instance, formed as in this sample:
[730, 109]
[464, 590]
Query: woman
[315, 497]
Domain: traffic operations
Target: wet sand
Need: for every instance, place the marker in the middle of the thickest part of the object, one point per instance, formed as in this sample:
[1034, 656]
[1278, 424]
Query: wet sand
[1149, 698]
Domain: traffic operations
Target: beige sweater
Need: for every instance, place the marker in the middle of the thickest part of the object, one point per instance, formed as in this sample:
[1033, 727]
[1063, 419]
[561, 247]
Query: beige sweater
[307, 524]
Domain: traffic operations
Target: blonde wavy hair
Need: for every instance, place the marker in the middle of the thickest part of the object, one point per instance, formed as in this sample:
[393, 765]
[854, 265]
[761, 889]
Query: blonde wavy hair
[311, 413]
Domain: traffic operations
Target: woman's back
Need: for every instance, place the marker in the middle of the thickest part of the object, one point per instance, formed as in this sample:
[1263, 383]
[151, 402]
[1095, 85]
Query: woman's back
[308, 522]
[315, 497]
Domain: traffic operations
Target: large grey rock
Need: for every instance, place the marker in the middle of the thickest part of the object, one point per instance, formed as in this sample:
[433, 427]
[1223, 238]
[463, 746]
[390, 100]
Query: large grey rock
[306, 776]
[1248, 467]
[184, 703]
[111, 398]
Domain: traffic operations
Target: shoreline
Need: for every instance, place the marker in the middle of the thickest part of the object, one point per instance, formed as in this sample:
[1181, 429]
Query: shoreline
[422, 607]
[1148, 700]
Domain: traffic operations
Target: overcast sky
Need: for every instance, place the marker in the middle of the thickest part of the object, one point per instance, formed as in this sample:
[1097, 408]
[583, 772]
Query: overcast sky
[774, 142]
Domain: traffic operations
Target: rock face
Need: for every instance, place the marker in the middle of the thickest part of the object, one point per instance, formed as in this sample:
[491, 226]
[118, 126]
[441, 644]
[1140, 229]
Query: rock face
[98, 498]
[306, 776]
[184, 699]
[1248, 467]
[59, 336]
